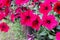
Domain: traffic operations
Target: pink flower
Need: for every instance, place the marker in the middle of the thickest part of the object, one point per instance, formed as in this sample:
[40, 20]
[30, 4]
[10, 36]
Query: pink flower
[21, 2]
[51, 1]
[27, 17]
[36, 23]
[58, 36]
[12, 17]
[45, 8]
[5, 3]
[17, 16]
[2, 15]
[4, 27]
[49, 22]
[36, 0]
[18, 10]
[6, 11]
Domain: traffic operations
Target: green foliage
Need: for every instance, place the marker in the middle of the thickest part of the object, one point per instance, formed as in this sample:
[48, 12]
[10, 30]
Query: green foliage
[15, 31]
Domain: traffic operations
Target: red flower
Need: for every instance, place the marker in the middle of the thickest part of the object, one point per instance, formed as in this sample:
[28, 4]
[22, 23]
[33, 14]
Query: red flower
[57, 7]
[58, 36]
[49, 22]
[27, 17]
[21, 2]
[36, 0]
[7, 10]
[12, 17]
[18, 11]
[36, 23]
[2, 15]
[51, 1]
[4, 27]
[5, 3]
[45, 8]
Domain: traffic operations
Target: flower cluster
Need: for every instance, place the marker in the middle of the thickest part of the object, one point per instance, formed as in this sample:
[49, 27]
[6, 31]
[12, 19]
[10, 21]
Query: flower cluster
[31, 13]
[29, 18]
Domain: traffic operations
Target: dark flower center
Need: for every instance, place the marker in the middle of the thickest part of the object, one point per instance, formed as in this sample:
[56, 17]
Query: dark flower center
[27, 17]
[3, 27]
[58, 8]
[48, 21]
[35, 22]
[51, 4]
[1, 9]
[46, 8]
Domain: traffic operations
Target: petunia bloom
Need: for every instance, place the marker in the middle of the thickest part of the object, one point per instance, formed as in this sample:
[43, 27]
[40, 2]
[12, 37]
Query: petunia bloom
[58, 36]
[7, 10]
[4, 27]
[57, 7]
[49, 22]
[45, 8]
[5, 3]
[2, 15]
[36, 23]
[21, 2]
[27, 17]
[12, 17]
[51, 1]
[35, 0]
[18, 10]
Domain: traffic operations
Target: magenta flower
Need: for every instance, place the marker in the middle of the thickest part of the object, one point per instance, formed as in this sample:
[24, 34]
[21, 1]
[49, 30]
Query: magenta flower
[5, 3]
[21, 2]
[27, 17]
[49, 22]
[45, 8]
[51, 1]
[36, 23]
[35, 0]
[58, 36]
[12, 17]
[2, 15]
[7, 10]
[4, 27]
[18, 10]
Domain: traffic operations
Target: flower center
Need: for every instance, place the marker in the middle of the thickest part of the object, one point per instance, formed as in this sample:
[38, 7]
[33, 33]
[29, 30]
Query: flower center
[46, 8]
[27, 17]
[58, 8]
[48, 21]
[3, 27]
[51, 3]
[35, 22]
